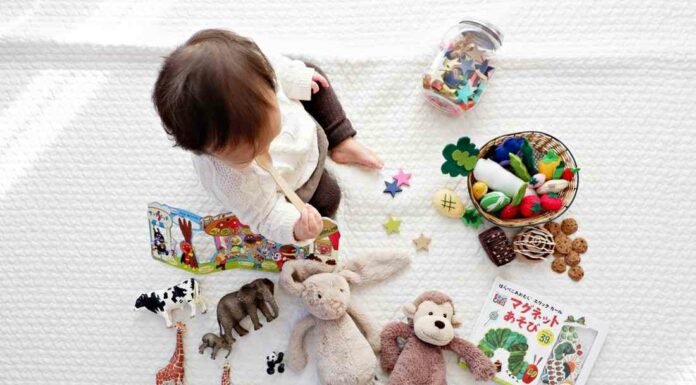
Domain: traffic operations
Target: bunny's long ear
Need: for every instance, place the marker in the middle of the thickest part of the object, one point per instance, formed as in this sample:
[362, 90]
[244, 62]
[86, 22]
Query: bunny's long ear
[295, 272]
[377, 267]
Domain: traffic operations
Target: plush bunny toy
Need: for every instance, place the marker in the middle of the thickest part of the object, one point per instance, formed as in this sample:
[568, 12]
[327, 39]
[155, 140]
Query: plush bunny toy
[347, 337]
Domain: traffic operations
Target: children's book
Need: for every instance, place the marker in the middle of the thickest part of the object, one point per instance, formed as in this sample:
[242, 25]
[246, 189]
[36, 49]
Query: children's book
[208, 244]
[533, 340]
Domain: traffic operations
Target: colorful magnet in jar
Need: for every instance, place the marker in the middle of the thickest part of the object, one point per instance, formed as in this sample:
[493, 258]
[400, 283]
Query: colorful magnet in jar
[464, 65]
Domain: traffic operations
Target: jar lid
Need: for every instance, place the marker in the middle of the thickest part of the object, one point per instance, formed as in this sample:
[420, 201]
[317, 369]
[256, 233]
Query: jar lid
[488, 28]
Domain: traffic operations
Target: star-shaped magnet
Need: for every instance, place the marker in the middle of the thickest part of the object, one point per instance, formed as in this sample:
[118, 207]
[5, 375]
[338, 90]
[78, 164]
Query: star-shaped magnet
[402, 178]
[392, 188]
[463, 93]
[392, 225]
[422, 243]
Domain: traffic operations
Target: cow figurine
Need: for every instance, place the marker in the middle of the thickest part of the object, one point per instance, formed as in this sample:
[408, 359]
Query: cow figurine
[164, 301]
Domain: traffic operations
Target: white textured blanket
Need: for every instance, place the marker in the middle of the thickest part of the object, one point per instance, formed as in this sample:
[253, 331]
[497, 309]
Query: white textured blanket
[83, 154]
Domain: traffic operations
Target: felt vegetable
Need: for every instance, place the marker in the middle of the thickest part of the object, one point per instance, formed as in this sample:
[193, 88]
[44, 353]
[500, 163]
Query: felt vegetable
[509, 146]
[501, 154]
[448, 203]
[569, 173]
[460, 158]
[472, 218]
[509, 212]
[537, 180]
[499, 179]
[530, 206]
[551, 202]
[518, 167]
[528, 157]
[555, 185]
[494, 201]
[548, 164]
[558, 172]
[479, 189]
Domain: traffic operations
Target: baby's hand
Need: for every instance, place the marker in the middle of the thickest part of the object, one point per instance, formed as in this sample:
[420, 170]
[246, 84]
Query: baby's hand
[318, 79]
[309, 225]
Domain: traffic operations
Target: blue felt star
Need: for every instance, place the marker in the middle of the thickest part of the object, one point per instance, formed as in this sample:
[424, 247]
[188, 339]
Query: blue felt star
[463, 93]
[392, 188]
[467, 65]
[484, 67]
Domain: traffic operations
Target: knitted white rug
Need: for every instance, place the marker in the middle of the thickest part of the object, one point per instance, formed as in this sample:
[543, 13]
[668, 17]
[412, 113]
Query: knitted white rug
[83, 154]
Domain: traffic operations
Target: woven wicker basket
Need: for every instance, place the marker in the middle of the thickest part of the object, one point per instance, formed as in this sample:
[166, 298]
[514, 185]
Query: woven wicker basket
[541, 143]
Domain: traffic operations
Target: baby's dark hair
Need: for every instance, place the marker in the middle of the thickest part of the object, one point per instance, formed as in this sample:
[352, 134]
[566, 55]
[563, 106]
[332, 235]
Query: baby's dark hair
[210, 91]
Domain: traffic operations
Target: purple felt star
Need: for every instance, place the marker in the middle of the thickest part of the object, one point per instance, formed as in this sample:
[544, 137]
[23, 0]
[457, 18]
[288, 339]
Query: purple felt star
[402, 178]
[392, 188]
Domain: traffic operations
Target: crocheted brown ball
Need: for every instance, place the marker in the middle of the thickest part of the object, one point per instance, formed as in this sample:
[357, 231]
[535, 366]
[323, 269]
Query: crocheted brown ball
[579, 245]
[576, 273]
[563, 245]
[572, 259]
[569, 226]
[553, 227]
[558, 265]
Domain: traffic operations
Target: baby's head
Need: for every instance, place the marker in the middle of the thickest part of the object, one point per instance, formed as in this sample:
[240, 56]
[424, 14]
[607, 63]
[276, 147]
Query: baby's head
[215, 95]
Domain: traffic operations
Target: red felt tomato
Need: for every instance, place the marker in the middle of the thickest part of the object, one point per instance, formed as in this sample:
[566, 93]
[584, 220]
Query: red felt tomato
[509, 212]
[569, 173]
[551, 202]
[530, 206]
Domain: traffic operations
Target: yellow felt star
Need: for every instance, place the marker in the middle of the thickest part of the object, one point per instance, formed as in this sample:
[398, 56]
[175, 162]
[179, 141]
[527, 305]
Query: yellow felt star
[422, 243]
[392, 225]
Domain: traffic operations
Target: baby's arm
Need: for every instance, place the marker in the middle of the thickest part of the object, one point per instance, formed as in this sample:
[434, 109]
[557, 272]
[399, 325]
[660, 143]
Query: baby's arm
[294, 76]
[256, 202]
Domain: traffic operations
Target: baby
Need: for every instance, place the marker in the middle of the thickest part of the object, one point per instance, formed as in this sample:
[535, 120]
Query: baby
[223, 99]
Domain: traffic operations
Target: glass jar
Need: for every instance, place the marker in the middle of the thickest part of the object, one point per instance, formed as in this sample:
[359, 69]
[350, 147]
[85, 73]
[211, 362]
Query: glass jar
[460, 72]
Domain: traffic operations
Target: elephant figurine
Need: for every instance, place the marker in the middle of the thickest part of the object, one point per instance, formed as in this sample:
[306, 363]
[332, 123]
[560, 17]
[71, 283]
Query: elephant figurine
[233, 307]
[213, 341]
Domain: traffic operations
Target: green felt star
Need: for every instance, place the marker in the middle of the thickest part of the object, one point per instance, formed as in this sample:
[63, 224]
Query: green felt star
[472, 218]
[460, 158]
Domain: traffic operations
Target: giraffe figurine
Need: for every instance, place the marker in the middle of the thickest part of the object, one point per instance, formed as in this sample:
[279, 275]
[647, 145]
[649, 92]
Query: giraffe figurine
[173, 373]
[225, 380]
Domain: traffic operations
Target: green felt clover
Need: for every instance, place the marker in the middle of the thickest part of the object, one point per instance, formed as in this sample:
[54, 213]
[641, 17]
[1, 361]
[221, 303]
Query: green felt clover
[460, 158]
[472, 218]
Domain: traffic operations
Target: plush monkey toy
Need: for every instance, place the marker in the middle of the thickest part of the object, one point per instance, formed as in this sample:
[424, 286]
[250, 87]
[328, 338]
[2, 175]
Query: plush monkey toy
[430, 329]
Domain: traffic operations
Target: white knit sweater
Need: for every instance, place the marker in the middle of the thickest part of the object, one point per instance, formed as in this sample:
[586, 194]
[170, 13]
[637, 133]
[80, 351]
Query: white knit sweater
[251, 193]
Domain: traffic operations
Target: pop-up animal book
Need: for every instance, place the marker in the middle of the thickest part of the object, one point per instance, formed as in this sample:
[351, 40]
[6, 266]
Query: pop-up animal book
[533, 340]
[208, 244]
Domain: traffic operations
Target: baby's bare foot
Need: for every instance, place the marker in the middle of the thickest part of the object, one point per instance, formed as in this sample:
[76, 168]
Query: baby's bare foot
[350, 151]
